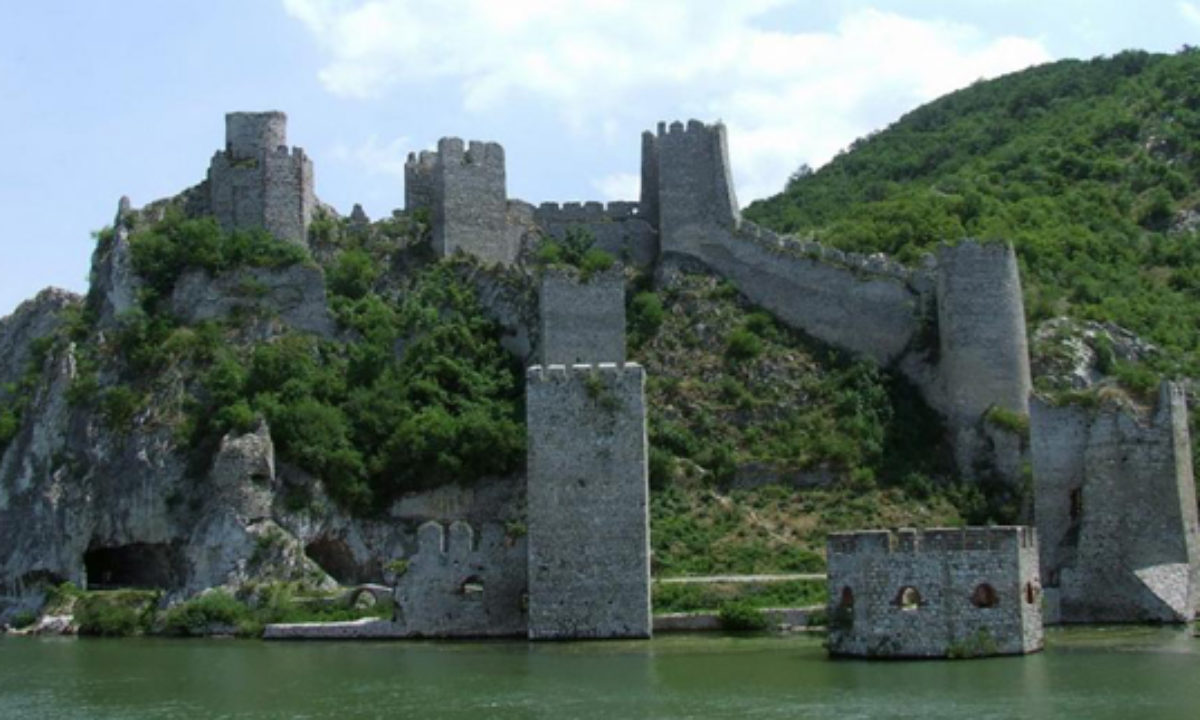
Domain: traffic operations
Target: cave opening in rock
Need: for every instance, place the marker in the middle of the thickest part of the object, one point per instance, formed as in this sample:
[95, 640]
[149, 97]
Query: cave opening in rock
[335, 557]
[137, 565]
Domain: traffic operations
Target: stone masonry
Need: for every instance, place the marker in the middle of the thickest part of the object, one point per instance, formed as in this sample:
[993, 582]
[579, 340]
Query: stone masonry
[934, 593]
[256, 182]
[581, 321]
[589, 530]
[1115, 507]
[460, 584]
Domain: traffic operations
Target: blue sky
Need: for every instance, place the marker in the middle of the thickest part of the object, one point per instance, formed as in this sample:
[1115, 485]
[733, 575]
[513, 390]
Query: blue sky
[103, 99]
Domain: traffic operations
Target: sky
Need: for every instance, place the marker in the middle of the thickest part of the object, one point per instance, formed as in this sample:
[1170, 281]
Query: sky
[100, 98]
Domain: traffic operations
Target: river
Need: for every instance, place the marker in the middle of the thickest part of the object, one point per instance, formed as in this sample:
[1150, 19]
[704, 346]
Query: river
[1129, 672]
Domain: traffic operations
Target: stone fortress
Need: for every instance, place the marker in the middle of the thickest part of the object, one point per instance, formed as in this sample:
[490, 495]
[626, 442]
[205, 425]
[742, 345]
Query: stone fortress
[954, 326]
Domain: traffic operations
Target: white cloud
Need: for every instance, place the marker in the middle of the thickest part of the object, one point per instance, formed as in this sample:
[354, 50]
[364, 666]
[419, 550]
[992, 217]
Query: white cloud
[1190, 12]
[618, 186]
[612, 66]
[375, 156]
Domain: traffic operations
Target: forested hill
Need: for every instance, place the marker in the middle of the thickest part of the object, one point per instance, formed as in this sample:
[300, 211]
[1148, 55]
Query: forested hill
[1091, 168]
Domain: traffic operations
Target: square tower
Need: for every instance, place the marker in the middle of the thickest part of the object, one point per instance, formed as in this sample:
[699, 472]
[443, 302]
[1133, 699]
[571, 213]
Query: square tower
[256, 182]
[588, 502]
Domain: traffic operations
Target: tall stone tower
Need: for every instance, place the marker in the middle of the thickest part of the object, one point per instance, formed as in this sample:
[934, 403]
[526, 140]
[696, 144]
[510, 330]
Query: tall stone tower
[984, 355]
[256, 182]
[463, 187]
[587, 495]
[687, 189]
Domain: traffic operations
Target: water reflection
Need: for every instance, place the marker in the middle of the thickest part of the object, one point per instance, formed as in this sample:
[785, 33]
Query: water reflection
[1150, 673]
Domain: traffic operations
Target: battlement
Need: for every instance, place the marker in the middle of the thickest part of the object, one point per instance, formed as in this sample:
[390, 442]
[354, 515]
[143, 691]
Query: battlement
[933, 540]
[457, 540]
[694, 128]
[613, 372]
[248, 134]
[585, 212]
[476, 152]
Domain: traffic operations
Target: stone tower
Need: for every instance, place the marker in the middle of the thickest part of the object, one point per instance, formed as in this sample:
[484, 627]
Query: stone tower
[984, 356]
[463, 186]
[686, 186]
[587, 495]
[256, 182]
[581, 320]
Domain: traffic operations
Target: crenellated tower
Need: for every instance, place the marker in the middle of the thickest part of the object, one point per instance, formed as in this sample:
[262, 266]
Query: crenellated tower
[257, 182]
[463, 186]
[687, 190]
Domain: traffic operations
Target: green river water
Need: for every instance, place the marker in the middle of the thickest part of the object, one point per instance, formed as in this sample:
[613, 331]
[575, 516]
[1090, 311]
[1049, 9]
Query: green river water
[1133, 672]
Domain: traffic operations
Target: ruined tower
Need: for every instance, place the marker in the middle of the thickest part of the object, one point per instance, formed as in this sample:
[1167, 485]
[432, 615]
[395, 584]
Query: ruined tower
[1115, 506]
[257, 182]
[587, 496]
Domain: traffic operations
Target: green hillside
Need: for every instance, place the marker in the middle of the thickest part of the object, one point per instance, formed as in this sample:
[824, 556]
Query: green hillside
[1090, 168]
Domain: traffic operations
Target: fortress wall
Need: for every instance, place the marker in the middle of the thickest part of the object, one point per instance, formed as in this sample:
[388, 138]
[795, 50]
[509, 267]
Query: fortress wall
[589, 540]
[877, 314]
[463, 584]
[868, 573]
[1129, 554]
[581, 321]
[618, 228]
[470, 201]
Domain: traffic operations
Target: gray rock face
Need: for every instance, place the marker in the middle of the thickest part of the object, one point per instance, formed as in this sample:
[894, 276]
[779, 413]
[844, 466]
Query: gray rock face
[934, 593]
[1115, 507]
[114, 284]
[33, 319]
[589, 529]
[294, 295]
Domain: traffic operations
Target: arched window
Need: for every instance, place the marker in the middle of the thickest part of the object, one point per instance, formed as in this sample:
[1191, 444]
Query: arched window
[908, 598]
[985, 596]
[472, 588]
[847, 600]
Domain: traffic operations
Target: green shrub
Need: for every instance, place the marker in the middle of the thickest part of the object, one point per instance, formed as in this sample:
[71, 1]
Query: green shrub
[24, 619]
[594, 261]
[353, 274]
[194, 616]
[741, 616]
[114, 614]
[118, 406]
[743, 345]
[1014, 422]
[644, 318]
[10, 423]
